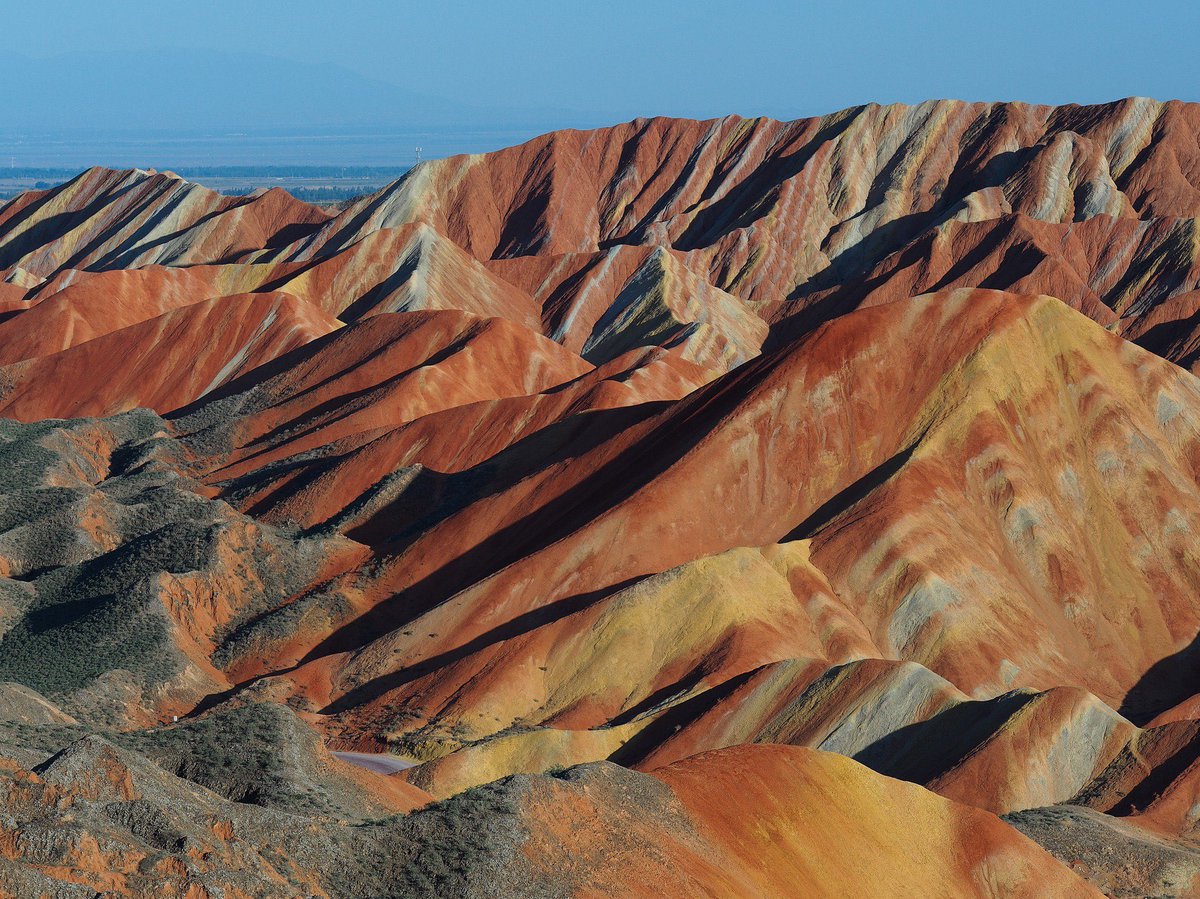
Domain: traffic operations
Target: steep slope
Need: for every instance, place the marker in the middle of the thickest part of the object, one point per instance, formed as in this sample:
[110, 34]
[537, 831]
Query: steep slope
[353, 477]
[106, 219]
[80, 306]
[773, 209]
[379, 373]
[163, 362]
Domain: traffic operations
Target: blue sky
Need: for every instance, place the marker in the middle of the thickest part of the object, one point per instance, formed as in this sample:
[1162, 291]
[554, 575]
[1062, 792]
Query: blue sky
[571, 63]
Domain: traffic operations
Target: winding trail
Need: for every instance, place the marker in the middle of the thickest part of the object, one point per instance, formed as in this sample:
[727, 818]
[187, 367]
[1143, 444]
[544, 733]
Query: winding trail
[379, 762]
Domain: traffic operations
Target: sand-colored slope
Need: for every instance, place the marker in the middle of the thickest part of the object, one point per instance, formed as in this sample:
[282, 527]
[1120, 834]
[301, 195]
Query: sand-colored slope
[778, 821]
[595, 660]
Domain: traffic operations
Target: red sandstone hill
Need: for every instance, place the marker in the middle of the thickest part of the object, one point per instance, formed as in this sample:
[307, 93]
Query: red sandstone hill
[665, 454]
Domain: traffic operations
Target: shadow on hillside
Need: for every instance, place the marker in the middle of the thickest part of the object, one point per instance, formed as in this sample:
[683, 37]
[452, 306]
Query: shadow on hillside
[669, 722]
[610, 484]
[1166, 683]
[1170, 339]
[743, 204]
[921, 751]
[917, 752]
[845, 283]
[515, 627]
[53, 227]
[849, 496]
[1157, 781]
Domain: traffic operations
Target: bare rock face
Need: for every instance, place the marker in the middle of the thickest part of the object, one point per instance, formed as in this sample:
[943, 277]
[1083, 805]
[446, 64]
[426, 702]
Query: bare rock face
[697, 508]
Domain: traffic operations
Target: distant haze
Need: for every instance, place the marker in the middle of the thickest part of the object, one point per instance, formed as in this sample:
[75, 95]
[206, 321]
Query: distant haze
[222, 107]
[314, 83]
[189, 90]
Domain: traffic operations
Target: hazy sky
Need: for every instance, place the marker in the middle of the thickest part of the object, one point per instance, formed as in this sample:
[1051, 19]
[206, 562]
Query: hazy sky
[136, 63]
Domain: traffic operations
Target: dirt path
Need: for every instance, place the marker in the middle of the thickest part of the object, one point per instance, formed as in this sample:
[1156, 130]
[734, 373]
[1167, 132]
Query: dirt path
[379, 762]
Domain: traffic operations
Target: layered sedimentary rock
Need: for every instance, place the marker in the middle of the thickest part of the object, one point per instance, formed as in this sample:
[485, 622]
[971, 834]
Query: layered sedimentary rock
[639, 496]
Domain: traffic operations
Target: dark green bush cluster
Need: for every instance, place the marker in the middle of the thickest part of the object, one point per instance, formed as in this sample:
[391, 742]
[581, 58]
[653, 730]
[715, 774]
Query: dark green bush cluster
[27, 506]
[450, 843]
[249, 754]
[82, 620]
[60, 647]
[46, 739]
[99, 616]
